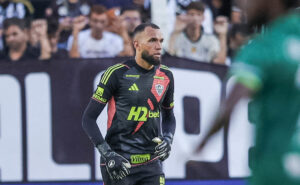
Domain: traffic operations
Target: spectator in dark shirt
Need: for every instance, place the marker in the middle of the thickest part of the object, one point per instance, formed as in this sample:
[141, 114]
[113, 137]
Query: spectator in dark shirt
[38, 38]
[16, 40]
[239, 34]
[65, 11]
[53, 36]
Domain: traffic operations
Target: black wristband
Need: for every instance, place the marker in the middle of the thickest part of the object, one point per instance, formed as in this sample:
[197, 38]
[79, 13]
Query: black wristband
[104, 149]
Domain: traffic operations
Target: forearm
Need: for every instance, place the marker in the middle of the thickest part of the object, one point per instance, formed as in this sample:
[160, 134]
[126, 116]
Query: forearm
[128, 46]
[221, 57]
[74, 52]
[172, 40]
[45, 48]
[168, 122]
[89, 123]
[238, 92]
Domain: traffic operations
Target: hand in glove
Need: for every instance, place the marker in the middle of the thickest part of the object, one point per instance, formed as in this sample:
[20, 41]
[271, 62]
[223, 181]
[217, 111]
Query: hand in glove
[116, 165]
[163, 148]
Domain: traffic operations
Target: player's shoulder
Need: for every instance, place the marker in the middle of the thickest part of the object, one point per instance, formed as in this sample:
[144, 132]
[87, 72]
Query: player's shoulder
[114, 70]
[166, 70]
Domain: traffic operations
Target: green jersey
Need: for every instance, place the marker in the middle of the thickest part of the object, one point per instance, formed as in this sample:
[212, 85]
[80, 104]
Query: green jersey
[269, 66]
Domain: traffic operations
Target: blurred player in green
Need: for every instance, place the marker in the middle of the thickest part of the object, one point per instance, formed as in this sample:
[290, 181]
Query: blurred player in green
[268, 70]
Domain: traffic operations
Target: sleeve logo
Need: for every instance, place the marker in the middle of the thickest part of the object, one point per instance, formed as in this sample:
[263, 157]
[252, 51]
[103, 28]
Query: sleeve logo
[98, 95]
[99, 91]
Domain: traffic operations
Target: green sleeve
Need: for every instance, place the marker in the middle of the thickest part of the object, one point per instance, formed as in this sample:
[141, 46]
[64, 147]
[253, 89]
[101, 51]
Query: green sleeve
[248, 68]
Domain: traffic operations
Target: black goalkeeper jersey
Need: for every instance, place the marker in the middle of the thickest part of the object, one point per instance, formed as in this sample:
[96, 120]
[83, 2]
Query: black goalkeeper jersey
[135, 98]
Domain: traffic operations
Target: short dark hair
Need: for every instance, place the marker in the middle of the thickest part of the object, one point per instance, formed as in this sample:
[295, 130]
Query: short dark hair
[130, 8]
[97, 9]
[21, 23]
[52, 27]
[142, 27]
[196, 5]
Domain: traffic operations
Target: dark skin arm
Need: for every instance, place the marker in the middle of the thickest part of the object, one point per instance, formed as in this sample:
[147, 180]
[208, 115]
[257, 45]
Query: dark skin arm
[238, 92]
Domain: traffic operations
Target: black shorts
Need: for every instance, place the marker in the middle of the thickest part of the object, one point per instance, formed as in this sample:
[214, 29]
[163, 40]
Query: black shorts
[145, 174]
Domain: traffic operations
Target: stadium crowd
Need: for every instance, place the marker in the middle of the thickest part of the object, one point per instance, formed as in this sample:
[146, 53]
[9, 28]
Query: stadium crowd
[204, 31]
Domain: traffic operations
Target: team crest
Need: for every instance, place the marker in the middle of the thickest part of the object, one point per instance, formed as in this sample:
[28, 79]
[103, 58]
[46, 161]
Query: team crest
[159, 89]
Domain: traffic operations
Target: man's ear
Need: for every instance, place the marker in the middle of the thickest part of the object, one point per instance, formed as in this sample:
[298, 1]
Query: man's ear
[135, 44]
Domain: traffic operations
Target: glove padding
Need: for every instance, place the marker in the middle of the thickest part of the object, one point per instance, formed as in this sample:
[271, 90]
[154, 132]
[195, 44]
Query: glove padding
[163, 149]
[116, 165]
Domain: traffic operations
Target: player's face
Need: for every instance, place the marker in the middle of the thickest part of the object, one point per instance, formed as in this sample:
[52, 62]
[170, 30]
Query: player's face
[15, 37]
[150, 45]
[98, 22]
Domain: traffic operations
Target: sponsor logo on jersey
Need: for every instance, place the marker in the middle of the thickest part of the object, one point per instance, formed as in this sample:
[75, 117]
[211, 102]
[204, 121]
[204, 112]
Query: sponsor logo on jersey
[132, 76]
[141, 114]
[159, 77]
[98, 95]
[134, 87]
[159, 89]
[140, 158]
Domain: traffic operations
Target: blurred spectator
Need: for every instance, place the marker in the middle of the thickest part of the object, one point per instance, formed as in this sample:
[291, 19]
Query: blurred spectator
[124, 26]
[65, 11]
[189, 41]
[132, 18]
[142, 5]
[207, 23]
[16, 8]
[53, 37]
[38, 38]
[68, 8]
[238, 36]
[236, 15]
[94, 42]
[16, 40]
[219, 7]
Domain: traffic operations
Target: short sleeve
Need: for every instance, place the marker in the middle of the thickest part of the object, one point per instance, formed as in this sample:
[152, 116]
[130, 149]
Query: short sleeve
[249, 66]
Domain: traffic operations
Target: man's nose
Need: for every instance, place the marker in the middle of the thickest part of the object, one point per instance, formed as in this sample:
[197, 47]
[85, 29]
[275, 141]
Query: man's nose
[158, 46]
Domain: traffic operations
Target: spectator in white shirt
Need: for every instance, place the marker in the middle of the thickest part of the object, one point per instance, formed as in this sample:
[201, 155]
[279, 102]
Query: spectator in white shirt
[93, 42]
[188, 40]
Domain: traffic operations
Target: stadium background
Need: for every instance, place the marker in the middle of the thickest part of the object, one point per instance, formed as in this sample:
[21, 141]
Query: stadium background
[42, 140]
[41, 104]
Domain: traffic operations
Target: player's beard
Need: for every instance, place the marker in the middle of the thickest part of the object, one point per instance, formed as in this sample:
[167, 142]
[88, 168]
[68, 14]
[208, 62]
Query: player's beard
[150, 58]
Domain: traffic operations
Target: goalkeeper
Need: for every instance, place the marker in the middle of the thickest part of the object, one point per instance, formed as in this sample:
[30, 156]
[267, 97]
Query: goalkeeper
[139, 92]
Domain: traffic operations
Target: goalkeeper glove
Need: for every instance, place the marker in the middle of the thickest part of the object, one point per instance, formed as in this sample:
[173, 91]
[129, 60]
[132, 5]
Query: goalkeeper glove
[163, 149]
[116, 165]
